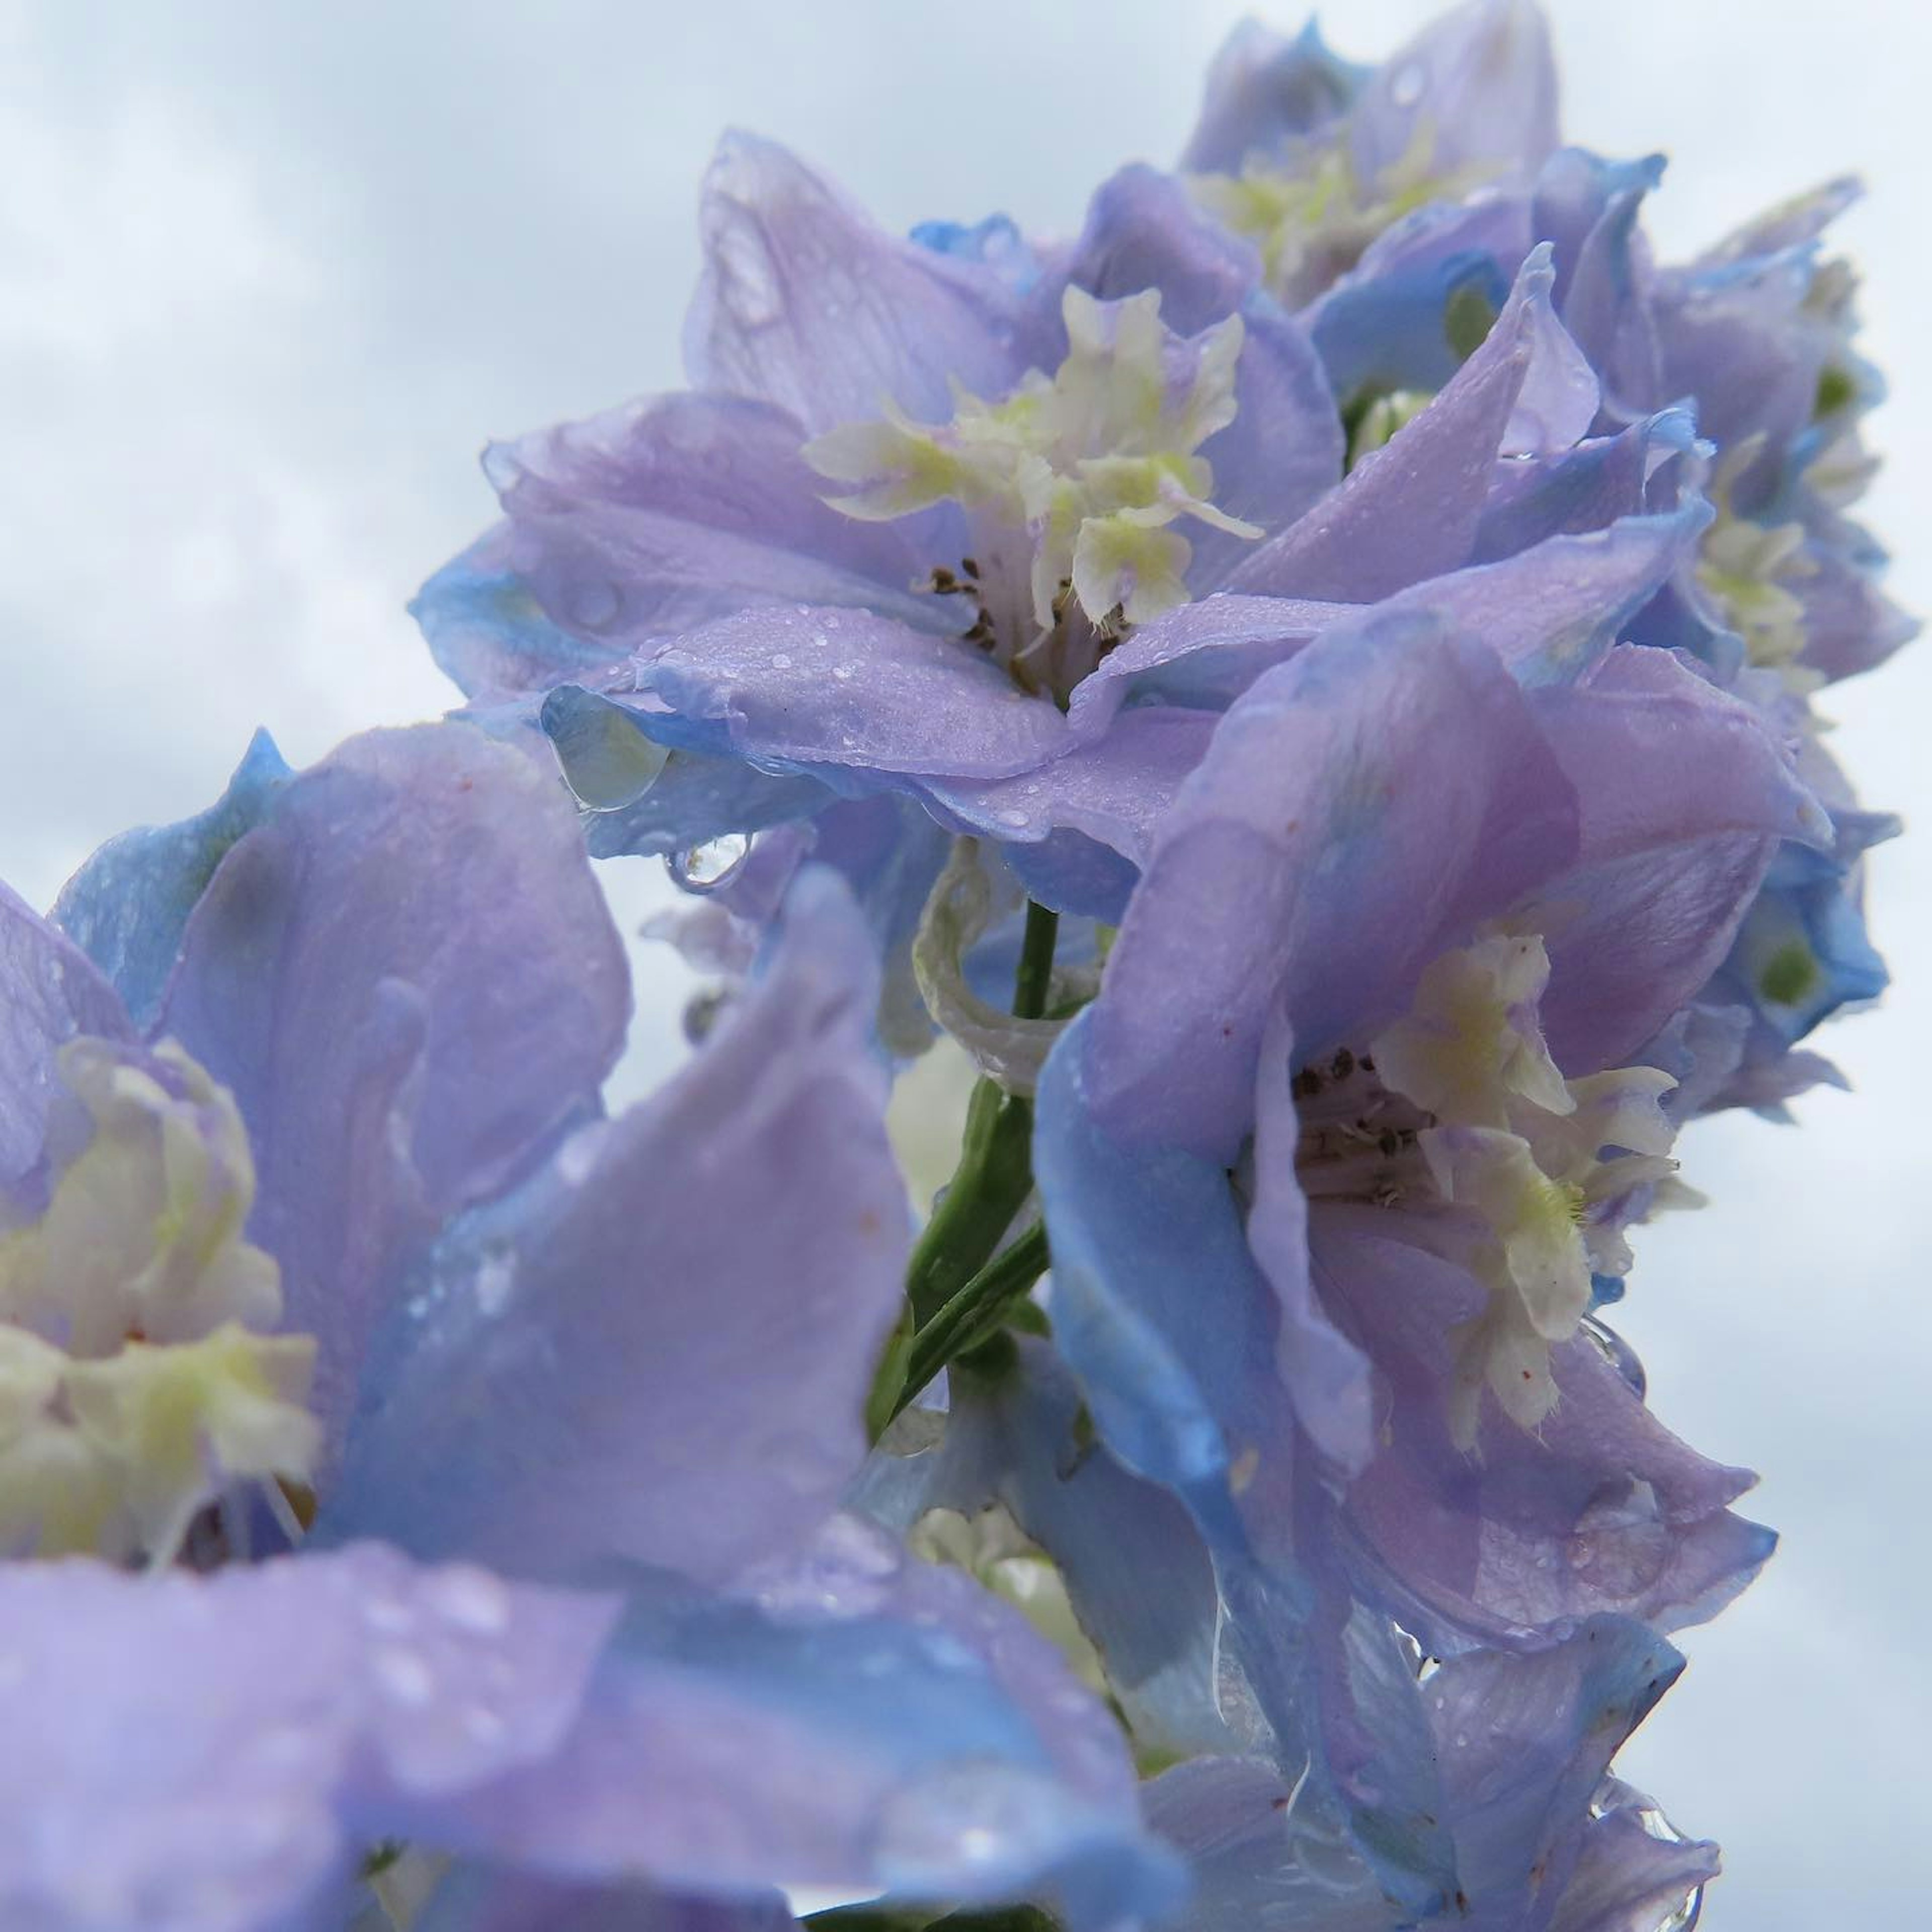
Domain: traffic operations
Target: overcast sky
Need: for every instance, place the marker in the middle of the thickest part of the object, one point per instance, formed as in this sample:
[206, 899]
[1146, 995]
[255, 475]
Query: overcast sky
[270, 272]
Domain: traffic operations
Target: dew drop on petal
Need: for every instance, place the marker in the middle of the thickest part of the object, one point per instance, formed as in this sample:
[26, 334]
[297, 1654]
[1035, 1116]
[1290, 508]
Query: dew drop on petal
[403, 1676]
[1405, 89]
[469, 1598]
[702, 869]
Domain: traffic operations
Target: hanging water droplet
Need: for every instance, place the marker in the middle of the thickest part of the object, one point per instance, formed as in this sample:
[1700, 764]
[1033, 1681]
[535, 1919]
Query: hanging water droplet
[781, 661]
[1618, 1353]
[703, 868]
[1405, 89]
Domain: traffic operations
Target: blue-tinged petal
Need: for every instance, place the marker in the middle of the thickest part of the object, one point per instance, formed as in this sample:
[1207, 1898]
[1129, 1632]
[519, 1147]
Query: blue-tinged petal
[485, 1898]
[861, 1722]
[1158, 1307]
[1361, 807]
[659, 1350]
[1524, 1742]
[816, 690]
[806, 303]
[1633, 1872]
[127, 907]
[1601, 1510]
[210, 1753]
[1136, 1573]
[1552, 611]
[406, 975]
[1591, 487]
[49, 990]
[1478, 86]
[1411, 508]
[1385, 325]
[1263, 92]
[1256, 1857]
[1588, 208]
[488, 632]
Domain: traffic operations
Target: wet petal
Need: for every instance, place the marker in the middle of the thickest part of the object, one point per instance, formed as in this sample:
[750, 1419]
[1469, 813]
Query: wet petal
[406, 975]
[1358, 807]
[1411, 509]
[212, 1752]
[127, 907]
[49, 990]
[806, 303]
[860, 1722]
[622, 1361]
[1600, 1510]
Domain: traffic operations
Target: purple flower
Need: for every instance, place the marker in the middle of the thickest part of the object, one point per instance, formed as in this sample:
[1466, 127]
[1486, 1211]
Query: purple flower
[599, 1415]
[1392, 847]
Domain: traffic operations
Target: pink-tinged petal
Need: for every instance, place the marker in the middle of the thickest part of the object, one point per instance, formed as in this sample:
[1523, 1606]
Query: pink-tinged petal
[1411, 509]
[209, 1753]
[407, 976]
[1600, 1510]
[807, 303]
[1358, 808]
[660, 1350]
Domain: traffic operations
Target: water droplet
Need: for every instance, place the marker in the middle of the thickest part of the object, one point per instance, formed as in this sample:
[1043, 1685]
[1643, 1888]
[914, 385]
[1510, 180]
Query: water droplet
[495, 1282]
[482, 1724]
[703, 868]
[844, 672]
[593, 606]
[1405, 89]
[1011, 815]
[469, 1598]
[403, 1676]
[389, 1615]
[781, 661]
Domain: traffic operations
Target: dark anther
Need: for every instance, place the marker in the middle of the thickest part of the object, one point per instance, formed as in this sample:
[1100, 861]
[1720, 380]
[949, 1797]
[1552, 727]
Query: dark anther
[1367, 1065]
[1306, 1084]
[1343, 1064]
[1391, 1143]
[970, 566]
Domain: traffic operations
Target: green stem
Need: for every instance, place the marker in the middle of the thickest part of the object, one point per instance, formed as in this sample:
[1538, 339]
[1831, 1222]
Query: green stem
[995, 1175]
[1036, 967]
[968, 1316]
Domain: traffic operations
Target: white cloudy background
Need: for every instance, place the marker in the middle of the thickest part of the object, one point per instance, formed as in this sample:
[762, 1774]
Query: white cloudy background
[270, 273]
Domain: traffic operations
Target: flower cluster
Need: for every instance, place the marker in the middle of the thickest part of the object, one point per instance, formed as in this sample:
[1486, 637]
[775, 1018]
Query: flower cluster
[1307, 690]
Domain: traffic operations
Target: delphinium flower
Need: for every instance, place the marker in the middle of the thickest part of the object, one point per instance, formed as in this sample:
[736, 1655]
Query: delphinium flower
[396, 1453]
[1756, 337]
[1309, 684]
